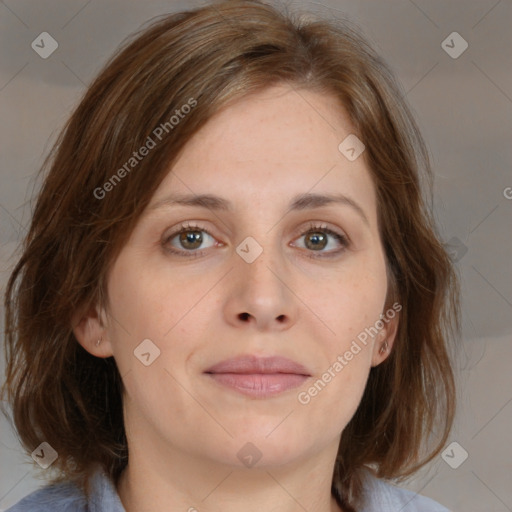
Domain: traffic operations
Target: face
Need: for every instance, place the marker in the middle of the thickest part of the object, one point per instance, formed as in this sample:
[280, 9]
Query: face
[260, 277]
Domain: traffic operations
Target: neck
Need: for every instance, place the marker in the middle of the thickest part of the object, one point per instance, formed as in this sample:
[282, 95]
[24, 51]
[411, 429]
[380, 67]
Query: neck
[180, 481]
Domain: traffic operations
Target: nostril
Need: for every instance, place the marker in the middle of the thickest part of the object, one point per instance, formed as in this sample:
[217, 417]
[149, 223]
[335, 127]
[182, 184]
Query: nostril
[244, 316]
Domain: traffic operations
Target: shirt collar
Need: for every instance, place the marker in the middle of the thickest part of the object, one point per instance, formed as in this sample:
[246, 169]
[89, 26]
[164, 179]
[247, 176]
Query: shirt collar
[103, 494]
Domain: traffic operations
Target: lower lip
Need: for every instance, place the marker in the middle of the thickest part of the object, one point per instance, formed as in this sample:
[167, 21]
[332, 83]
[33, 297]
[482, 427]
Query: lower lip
[259, 385]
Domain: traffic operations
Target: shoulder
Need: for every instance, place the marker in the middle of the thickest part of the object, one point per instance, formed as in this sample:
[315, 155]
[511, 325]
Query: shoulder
[380, 496]
[64, 497]
[67, 497]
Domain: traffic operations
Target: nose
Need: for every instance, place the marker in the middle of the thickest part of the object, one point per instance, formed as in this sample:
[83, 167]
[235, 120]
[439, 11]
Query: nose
[261, 294]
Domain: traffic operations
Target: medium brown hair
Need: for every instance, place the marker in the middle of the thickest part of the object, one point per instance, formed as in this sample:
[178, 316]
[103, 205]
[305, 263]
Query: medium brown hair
[214, 55]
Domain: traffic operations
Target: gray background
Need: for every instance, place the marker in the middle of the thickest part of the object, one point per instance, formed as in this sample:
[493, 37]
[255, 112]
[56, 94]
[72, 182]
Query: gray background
[464, 108]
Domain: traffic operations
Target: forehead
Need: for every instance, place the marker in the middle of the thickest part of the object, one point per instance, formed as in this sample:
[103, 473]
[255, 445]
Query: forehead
[271, 146]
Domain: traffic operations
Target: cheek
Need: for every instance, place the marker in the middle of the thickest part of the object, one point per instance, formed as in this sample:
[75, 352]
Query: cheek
[150, 298]
[352, 314]
[355, 303]
[147, 304]
[146, 307]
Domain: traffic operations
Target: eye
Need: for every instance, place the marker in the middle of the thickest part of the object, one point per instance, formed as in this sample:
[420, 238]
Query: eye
[317, 239]
[189, 238]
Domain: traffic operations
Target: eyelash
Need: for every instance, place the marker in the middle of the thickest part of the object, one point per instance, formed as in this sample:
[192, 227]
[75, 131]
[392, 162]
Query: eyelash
[186, 227]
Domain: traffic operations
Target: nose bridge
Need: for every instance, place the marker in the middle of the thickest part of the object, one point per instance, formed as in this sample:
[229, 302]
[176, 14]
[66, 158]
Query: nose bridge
[261, 292]
[259, 266]
[261, 249]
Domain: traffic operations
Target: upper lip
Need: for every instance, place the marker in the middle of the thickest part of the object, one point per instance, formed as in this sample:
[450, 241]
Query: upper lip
[250, 364]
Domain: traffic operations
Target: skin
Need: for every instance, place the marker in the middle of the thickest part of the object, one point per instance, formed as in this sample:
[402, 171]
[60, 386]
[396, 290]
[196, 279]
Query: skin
[184, 431]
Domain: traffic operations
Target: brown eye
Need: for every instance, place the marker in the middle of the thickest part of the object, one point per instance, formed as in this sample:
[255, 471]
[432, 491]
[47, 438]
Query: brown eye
[316, 240]
[188, 241]
[191, 239]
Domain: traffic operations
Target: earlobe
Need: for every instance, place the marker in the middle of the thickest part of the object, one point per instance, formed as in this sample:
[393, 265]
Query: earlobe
[90, 332]
[384, 347]
[385, 341]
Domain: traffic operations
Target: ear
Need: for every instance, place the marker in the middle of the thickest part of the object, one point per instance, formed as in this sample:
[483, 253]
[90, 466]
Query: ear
[384, 341]
[89, 327]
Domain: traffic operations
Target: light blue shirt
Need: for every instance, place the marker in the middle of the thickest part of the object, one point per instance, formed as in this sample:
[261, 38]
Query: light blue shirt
[65, 497]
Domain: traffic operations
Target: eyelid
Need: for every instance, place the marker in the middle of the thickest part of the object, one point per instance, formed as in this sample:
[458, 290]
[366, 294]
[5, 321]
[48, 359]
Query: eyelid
[320, 225]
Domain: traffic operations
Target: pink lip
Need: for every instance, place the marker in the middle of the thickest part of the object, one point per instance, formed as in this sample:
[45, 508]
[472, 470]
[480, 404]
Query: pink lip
[259, 376]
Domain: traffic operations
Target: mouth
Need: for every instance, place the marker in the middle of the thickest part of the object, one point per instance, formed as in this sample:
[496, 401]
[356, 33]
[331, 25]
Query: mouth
[259, 377]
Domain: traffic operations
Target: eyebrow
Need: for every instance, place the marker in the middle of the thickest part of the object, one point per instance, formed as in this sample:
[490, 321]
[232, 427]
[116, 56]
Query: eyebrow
[299, 202]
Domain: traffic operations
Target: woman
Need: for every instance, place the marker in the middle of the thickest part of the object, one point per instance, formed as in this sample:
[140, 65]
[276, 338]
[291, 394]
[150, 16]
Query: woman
[232, 293]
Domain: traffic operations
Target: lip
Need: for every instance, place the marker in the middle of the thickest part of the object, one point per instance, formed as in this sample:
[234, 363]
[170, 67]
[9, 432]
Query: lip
[259, 377]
